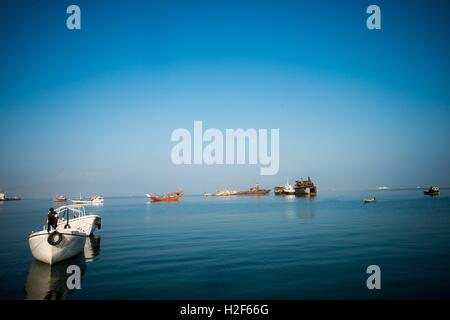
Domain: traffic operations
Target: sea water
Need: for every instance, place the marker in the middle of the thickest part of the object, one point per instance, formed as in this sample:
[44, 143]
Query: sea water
[267, 247]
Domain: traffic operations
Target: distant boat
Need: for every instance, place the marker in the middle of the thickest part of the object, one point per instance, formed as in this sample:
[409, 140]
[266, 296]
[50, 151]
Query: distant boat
[382, 188]
[3, 197]
[59, 199]
[288, 189]
[305, 188]
[224, 193]
[255, 191]
[94, 200]
[278, 190]
[370, 200]
[169, 197]
[432, 191]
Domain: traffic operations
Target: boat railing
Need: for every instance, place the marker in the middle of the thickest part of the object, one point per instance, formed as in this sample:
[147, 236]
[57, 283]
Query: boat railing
[77, 211]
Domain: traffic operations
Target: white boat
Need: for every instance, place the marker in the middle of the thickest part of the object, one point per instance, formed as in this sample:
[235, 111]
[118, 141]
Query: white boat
[92, 201]
[288, 189]
[78, 219]
[226, 192]
[58, 245]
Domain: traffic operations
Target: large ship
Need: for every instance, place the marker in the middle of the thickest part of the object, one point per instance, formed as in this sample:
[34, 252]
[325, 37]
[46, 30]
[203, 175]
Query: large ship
[255, 191]
[305, 188]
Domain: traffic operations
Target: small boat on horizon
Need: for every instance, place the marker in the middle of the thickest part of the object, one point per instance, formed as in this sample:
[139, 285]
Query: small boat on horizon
[93, 200]
[432, 191]
[3, 197]
[168, 197]
[254, 191]
[224, 193]
[59, 199]
[370, 200]
[278, 190]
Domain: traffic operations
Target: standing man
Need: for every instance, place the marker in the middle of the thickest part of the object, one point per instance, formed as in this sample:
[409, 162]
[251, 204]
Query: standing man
[52, 219]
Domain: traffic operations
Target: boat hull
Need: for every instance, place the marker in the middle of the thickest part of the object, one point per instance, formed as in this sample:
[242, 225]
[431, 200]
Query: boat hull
[87, 203]
[71, 244]
[260, 192]
[170, 199]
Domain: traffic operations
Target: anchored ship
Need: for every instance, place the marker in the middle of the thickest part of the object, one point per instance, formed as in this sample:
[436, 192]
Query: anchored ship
[224, 193]
[305, 188]
[278, 190]
[255, 191]
[59, 199]
[3, 197]
[169, 197]
[287, 189]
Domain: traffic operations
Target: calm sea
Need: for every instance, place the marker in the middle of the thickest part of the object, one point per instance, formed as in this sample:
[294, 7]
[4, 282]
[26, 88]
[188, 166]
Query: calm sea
[242, 248]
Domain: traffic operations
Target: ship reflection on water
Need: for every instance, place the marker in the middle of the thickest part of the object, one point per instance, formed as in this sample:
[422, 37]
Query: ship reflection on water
[48, 282]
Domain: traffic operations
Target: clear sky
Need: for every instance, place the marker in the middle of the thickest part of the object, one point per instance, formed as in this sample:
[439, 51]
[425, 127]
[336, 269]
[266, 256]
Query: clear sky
[92, 110]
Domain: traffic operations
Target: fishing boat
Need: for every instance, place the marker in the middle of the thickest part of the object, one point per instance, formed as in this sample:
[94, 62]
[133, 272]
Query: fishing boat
[432, 191]
[76, 217]
[255, 191]
[370, 200]
[305, 188]
[59, 199]
[169, 197]
[58, 245]
[92, 201]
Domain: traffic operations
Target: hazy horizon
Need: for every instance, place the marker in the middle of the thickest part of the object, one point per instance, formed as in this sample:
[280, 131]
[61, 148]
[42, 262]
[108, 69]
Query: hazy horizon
[92, 110]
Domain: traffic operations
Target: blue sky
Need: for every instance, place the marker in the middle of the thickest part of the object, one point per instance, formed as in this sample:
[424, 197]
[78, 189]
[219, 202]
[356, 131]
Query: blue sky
[92, 110]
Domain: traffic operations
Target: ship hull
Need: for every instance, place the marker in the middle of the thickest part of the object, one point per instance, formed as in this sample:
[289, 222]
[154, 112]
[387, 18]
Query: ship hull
[171, 199]
[252, 193]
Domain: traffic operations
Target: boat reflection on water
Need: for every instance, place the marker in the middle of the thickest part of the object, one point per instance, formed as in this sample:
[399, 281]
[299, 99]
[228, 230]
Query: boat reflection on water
[91, 248]
[49, 282]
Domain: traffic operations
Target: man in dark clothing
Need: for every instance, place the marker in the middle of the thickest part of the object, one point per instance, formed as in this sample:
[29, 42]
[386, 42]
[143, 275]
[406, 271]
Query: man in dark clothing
[52, 219]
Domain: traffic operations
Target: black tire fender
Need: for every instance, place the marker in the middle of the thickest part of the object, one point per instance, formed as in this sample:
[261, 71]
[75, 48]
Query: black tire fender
[54, 238]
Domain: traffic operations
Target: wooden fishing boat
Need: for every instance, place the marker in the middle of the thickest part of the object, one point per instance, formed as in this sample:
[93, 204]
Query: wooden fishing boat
[59, 199]
[169, 197]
